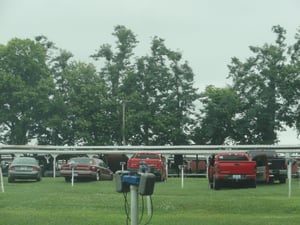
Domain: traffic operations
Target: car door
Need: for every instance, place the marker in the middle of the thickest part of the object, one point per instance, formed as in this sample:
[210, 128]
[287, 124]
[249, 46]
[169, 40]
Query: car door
[105, 171]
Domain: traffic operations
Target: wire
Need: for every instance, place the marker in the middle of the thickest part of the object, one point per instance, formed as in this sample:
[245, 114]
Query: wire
[143, 209]
[127, 211]
[149, 220]
[126, 208]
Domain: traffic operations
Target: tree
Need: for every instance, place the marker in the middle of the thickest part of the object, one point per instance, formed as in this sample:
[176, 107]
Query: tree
[261, 82]
[163, 86]
[26, 89]
[117, 67]
[291, 91]
[156, 91]
[219, 107]
[79, 106]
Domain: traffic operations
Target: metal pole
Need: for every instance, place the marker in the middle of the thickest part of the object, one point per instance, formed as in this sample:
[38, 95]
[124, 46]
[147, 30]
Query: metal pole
[72, 179]
[182, 176]
[122, 164]
[287, 156]
[54, 164]
[123, 123]
[134, 205]
[167, 168]
[290, 177]
[1, 176]
[149, 209]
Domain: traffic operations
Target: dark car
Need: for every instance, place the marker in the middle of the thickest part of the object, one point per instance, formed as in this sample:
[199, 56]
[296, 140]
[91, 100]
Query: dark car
[85, 167]
[24, 168]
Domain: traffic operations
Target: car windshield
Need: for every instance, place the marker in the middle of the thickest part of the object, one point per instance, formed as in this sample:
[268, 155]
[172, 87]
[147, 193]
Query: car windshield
[233, 158]
[81, 161]
[147, 156]
[25, 161]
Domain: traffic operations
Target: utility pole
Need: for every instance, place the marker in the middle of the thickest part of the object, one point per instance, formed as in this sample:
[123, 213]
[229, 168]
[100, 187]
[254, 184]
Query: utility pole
[123, 123]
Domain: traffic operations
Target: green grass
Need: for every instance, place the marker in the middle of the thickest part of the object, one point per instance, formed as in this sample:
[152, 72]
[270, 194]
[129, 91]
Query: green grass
[55, 202]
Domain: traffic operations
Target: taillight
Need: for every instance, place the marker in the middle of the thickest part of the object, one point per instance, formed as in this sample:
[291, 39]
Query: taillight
[92, 168]
[65, 166]
[12, 168]
[35, 168]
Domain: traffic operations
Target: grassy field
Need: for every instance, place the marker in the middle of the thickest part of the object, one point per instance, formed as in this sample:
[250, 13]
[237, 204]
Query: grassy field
[54, 202]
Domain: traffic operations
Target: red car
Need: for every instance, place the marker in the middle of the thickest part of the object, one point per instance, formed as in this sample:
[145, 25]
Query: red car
[155, 161]
[85, 167]
[231, 168]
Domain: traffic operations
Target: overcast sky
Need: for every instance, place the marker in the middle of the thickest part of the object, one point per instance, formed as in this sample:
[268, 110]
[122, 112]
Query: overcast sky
[208, 32]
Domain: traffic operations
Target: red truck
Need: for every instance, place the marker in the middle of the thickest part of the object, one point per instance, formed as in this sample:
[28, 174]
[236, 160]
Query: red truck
[154, 161]
[231, 168]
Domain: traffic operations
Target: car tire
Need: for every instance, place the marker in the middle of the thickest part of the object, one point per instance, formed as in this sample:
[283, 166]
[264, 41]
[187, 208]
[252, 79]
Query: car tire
[216, 183]
[252, 183]
[68, 179]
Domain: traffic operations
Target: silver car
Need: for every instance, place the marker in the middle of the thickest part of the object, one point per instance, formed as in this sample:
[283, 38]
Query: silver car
[24, 168]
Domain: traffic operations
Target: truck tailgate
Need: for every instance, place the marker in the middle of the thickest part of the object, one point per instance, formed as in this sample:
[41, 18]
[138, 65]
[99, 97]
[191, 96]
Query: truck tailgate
[238, 167]
[135, 163]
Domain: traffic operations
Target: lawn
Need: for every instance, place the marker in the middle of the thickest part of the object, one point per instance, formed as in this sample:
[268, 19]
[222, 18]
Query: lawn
[55, 202]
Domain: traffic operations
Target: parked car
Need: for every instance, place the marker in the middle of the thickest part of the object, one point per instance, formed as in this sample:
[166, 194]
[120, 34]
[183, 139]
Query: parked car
[24, 168]
[154, 161]
[231, 168]
[275, 165]
[85, 167]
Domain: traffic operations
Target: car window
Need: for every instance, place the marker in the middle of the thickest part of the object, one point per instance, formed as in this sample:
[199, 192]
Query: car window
[101, 163]
[25, 161]
[147, 156]
[81, 161]
[233, 158]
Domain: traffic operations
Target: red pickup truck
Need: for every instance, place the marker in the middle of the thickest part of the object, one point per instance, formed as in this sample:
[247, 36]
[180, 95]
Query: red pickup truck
[231, 168]
[154, 161]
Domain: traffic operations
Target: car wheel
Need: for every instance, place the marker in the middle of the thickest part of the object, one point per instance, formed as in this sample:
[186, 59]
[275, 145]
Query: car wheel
[68, 179]
[252, 183]
[216, 184]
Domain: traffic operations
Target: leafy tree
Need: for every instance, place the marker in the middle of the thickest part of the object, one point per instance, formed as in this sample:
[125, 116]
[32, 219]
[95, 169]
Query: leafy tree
[117, 67]
[78, 107]
[261, 83]
[26, 88]
[291, 91]
[156, 91]
[163, 87]
[87, 105]
[219, 107]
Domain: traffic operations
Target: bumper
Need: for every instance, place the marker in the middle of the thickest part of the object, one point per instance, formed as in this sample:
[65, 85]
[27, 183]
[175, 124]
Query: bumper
[236, 177]
[24, 175]
[157, 172]
[78, 174]
[276, 174]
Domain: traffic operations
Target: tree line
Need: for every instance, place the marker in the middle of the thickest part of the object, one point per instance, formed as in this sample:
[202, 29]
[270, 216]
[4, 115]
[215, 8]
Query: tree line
[121, 98]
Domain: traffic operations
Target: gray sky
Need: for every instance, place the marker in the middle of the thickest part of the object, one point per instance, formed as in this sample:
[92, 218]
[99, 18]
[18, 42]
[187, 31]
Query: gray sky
[207, 32]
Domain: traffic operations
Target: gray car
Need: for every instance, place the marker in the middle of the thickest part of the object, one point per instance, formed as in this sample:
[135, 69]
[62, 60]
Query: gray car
[24, 168]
